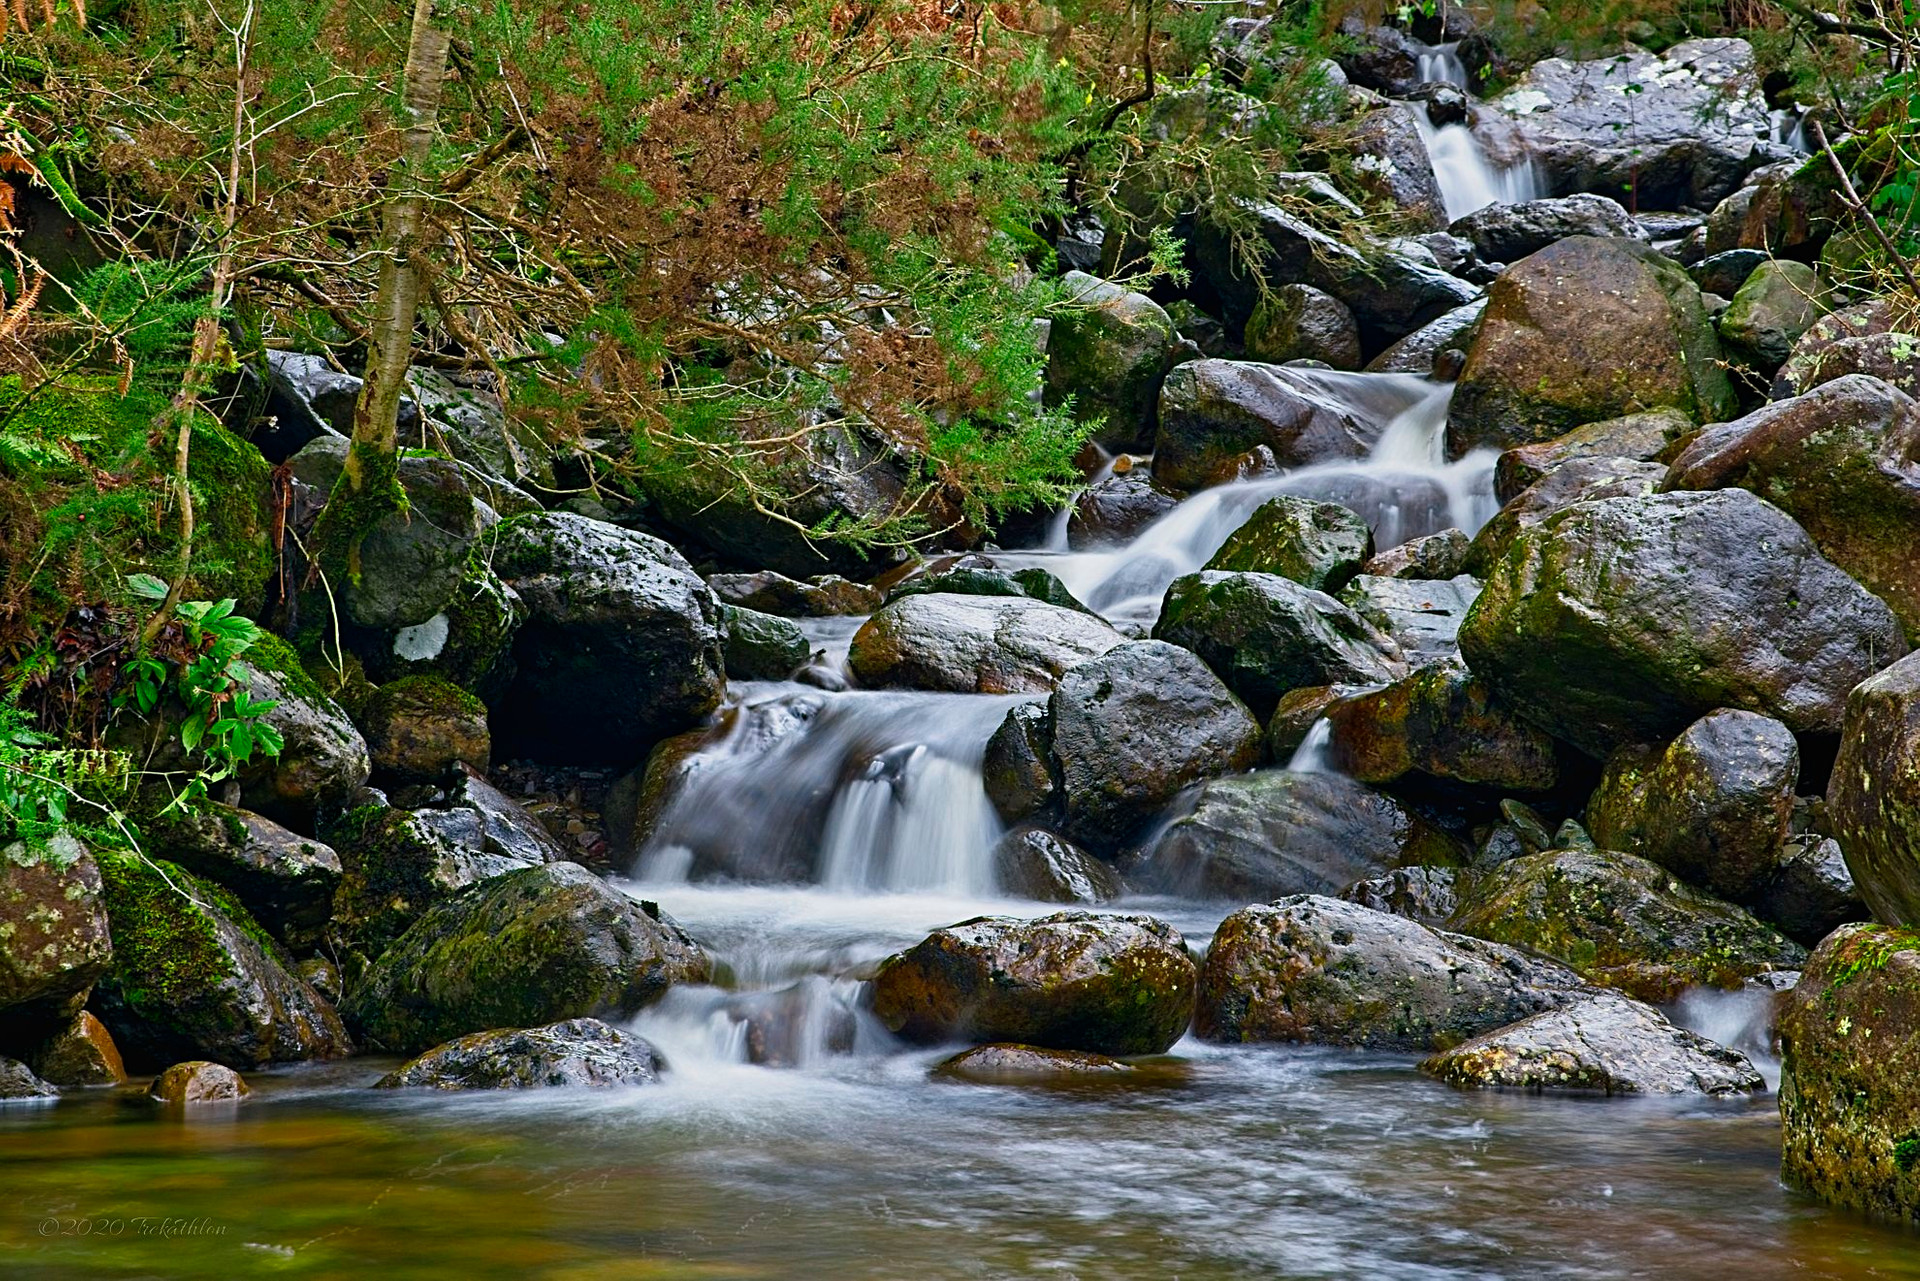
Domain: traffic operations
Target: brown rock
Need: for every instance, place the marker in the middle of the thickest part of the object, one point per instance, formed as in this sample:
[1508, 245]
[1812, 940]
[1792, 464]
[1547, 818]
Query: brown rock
[199, 1082]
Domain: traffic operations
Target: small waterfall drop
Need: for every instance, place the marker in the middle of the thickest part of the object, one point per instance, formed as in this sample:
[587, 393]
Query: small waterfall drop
[1314, 755]
[1470, 179]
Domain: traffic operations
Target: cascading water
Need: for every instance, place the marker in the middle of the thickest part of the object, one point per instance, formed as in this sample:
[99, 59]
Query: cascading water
[1470, 179]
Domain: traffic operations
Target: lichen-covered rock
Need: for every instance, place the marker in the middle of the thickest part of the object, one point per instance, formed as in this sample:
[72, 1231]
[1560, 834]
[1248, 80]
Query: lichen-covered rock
[420, 727]
[824, 596]
[470, 642]
[1504, 232]
[1422, 615]
[1300, 322]
[1213, 411]
[1445, 723]
[1005, 1064]
[1712, 807]
[194, 975]
[1583, 480]
[1070, 981]
[975, 644]
[1602, 1042]
[1811, 893]
[1622, 922]
[762, 647]
[1036, 864]
[1850, 1073]
[1776, 304]
[1109, 352]
[1321, 971]
[1844, 461]
[285, 880]
[1133, 728]
[81, 1053]
[1641, 437]
[1877, 338]
[1624, 620]
[1873, 799]
[1277, 832]
[198, 1081]
[1318, 545]
[621, 646]
[1586, 329]
[1434, 556]
[54, 938]
[530, 947]
[575, 1053]
[1265, 635]
[1424, 894]
[1113, 510]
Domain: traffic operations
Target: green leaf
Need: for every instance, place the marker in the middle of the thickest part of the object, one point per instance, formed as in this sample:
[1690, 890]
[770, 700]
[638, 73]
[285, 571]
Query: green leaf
[192, 731]
[146, 586]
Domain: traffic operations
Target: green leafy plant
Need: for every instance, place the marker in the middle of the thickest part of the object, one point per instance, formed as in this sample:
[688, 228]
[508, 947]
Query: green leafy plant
[42, 786]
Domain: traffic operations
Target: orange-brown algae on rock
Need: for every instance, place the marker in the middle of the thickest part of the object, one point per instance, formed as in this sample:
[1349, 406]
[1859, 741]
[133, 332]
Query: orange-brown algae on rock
[199, 1082]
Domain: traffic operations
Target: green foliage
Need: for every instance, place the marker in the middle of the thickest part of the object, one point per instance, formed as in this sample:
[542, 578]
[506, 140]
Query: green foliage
[45, 788]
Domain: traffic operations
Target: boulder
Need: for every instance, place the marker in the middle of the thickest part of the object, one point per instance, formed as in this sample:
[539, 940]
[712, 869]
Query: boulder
[1724, 272]
[1777, 303]
[1874, 338]
[1844, 461]
[198, 1081]
[285, 880]
[1850, 1073]
[1325, 972]
[1275, 832]
[1622, 922]
[1005, 1064]
[621, 646]
[1435, 556]
[1812, 892]
[1641, 437]
[769, 593]
[1624, 620]
[1391, 164]
[54, 934]
[762, 647]
[1265, 635]
[1300, 322]
[81, 1053]
[1442, 722]
[470, 642]
[1114, 510]
[1036, 864]
[530, 947]
[1509, 232]
[1070, 981]
[17, 1081]
[420, 727]
[1873, 799]
[1213, 411]
[1583, 480]
[1109, 352]
[1712, 807]
[1135, 727]
[1421, 615]
[1018, 769]
[1449, 335]
[975, 644]
[1424, 894]
[1788, 208]
[975, 575]
[194, 975]
[1318, 545]
[577, 1053]
[1603, 1042]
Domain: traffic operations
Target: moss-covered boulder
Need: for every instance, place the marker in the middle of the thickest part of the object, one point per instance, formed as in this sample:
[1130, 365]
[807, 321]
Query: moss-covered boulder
[470, 642]
[419, 727]
[1625, 620]
[54, 939]
[974, 575]
[1776, 304]
[1109, 352]
[1584, 330]
[531, 947]
[1299, 322]
[1844, 461]
[1873, 800]
[1325, 972]
[285, 880]
[1213, 411]
[194, 976]
[1622, 922]
[1071, 981]
[969, 644]
[1583, 480]
[1850, 1073]
[575, 1053]
[762, 647]
[1712, 807]
[1318, 545]
[1266, 635]
[1444, 723]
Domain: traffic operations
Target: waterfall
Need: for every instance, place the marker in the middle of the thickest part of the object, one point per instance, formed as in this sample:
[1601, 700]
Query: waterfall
[1469, 178]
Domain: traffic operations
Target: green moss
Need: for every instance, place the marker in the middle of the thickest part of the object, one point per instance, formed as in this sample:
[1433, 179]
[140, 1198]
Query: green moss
[353, 510]
[1906, 1153]
[434, 694]
[166, 947]
[1870, 949]
[271, 654]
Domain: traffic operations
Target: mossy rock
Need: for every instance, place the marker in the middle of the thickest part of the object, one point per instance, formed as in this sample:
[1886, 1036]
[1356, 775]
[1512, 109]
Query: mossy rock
[1318, 545]
[762, 647]
[419, 727]
[1109, 354]
[470, 642]
[54, 939]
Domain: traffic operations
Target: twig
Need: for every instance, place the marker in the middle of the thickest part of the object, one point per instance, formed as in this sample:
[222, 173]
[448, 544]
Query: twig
[1860, 210]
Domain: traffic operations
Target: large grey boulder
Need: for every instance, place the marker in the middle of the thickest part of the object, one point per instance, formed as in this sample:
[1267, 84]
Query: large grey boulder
[1391, 163]
[1582, 480]
[1873, 800]
[975, 644]
[1109, 352]
[1507, 233]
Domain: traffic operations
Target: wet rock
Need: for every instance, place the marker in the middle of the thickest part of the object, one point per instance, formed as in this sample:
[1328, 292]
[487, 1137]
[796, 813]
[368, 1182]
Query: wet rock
[17, 1081]
[1265, 635]
[419, 727]
[1788, 208]
[1036, 864]
[1419, 352]
[981, 576]
[1277, 832]
[193, 974]
[1110, 352]
[82, 1053]
[54, 939]
[1602, 1042]
[1624, 620]
[1872, 338]
[1135, 727]
[1325, 972]
[1586, 329]
[1641, 437]
[1070, 981]
[1583, 480]
[286, 880]
[975, 644]
[1301, 323]
[530, 947]
[1390, 163]
[1873, 800]
[1778, 303]
[1019, 772]
[1723, 273]
[1812, 892]
[1422, 616]
[1212, 411]
[1296, 714]
[1712, 807]
[1318, 545]
[198, 1081]
[1507, 233]
[1850, 1073]
[621, 646]
[1423, 894]
[1443, 722]
[576, 1053]
[762, 647]
[470, 642]
[1622, 922]
[1436, 556]
[769, 593]
[1005, 1064]
[1844, 461]
[1114, 510]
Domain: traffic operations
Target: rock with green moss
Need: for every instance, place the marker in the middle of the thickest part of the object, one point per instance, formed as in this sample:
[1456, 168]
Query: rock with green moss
[1850, 1073]
[1844, 461]
[1444, 723]
[194, 976]
[1325, 972]
[621, 646]
[1878, 338]
[1584, 480]
[1109, 352]
[1640, 437]
[1318, 545]
[1873, 800]
[1777, 303]
[1587, 329]
[575, 1053]
[419, 727]
[470, 642]
[1070, 981]
[285, 880]
[969, 644]
[1712, 807]
[1625, 620]
[54, 938]
[762, 647]
[531, 947]
[323, 759]
[1300, 322]
[1622, 922]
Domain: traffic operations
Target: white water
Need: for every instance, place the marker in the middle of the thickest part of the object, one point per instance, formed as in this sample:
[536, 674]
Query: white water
[1470, 179]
